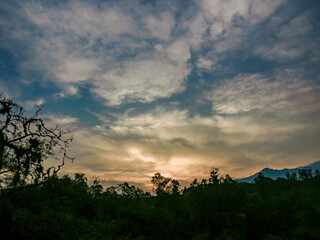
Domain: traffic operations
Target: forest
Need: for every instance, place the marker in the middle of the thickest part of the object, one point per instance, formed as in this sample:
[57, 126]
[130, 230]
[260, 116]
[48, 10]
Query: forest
[37, 203]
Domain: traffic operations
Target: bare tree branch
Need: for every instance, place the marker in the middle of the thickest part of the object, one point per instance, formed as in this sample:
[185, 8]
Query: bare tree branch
[25, 142]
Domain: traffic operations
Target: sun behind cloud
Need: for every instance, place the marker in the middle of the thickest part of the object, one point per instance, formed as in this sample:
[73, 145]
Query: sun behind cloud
[169, 86]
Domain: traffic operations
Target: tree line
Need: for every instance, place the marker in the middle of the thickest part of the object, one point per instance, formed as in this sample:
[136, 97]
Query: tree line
[37, 204]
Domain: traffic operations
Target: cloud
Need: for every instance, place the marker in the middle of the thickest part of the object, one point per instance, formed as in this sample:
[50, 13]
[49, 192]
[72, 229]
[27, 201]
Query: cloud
[33, 103]
[286, 94]
[136, 146]
[122, 51]
[224, 10]
[225, 18]
[205, 63]
[257, 122]
[256, 110]
[236, 82]
[110, 47]
[125, 53]
[142, 80]
[74, 70]
[219, 27]
[294, 38]
[260, 9]
[63, 121]
[162, 26]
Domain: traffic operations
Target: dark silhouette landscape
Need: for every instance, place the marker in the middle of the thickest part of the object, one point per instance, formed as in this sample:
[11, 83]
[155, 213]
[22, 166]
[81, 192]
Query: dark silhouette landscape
[37, 204]
[280, 173]
[160, 120]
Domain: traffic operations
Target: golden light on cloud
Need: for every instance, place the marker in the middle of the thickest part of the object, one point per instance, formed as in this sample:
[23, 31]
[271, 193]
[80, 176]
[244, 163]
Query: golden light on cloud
[135, 153]
[251, 122]
[231, 84]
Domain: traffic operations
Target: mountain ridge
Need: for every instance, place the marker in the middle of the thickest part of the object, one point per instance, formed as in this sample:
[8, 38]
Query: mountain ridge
[280, 173]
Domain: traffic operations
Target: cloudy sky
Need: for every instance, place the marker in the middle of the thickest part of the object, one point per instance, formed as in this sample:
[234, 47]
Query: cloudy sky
[175, 87]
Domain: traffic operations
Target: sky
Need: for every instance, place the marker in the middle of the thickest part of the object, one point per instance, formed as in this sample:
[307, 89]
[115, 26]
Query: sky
[170, 86]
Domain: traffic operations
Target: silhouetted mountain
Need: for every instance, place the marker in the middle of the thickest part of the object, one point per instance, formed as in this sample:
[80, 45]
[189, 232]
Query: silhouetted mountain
[275, 173]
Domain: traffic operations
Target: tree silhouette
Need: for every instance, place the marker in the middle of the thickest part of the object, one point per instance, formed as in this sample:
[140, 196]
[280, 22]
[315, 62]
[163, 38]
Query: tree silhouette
[164, 185]
[25, 142]
[305, 174]
[214, 176]
[69, 208]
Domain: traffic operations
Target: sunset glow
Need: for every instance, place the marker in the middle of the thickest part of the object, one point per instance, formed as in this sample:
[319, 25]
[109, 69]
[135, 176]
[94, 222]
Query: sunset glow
[175, 87]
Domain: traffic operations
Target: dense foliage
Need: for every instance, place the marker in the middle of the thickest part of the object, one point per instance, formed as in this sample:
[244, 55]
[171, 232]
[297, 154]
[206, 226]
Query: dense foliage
[36, 204]
[66, 208]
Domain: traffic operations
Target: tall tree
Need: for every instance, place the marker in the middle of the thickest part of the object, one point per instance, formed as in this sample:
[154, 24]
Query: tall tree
[25, 142]
[164, 185]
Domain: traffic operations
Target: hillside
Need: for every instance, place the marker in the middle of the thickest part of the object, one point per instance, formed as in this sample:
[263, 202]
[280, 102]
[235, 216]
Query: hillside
[276, 173]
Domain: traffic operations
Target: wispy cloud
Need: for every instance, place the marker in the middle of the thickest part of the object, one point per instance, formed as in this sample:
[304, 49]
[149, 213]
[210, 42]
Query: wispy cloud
[285, 93]
[125, 53]
[105, 46]
[291, 39]
[264, 124]
[64, 122]
[34, 103]
[177, 86]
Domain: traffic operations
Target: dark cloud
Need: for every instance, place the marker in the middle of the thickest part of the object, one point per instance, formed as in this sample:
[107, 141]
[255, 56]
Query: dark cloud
[175, 87]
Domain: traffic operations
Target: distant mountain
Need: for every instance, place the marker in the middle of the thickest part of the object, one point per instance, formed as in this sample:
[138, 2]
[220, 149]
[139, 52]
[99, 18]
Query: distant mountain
[275, 173]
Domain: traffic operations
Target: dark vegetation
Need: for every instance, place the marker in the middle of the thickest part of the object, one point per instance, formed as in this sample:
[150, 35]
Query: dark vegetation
[37, 204]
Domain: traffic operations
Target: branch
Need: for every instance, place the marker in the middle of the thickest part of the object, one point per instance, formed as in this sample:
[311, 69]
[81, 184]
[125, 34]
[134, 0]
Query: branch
[21, 188]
